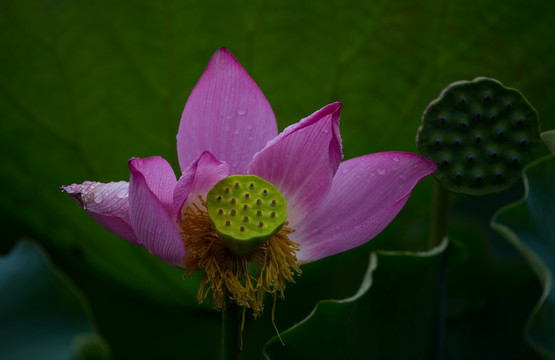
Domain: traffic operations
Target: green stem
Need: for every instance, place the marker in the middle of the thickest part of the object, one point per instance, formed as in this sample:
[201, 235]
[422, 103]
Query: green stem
[231, 332]
[440, 215]
[438, 231]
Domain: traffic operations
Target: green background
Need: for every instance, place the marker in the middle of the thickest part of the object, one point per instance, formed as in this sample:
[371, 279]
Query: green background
[85, 85]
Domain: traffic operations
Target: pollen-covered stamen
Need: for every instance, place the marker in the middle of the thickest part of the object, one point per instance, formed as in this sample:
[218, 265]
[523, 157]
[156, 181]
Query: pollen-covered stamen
[233, 194]
[242, 279]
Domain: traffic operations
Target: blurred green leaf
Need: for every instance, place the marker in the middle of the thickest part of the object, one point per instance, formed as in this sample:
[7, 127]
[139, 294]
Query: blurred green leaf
[529, 226]
[42, 314]
[398, 299]
[488, 297]
[548, 138]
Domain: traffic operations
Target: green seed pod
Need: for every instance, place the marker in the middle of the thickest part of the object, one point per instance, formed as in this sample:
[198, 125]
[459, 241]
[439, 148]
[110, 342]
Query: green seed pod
[246, 211]
[481, 133]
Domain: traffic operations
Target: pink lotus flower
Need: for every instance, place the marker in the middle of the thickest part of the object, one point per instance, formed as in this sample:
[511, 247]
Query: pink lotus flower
[228, 128]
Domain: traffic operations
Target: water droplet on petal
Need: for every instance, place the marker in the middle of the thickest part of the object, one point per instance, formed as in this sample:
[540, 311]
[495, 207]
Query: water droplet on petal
[97, 197]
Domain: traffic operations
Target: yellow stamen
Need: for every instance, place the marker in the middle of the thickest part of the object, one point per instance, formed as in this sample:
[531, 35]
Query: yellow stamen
[245, 279]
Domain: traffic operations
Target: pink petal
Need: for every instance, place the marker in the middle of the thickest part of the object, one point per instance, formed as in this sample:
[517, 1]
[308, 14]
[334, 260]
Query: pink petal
[197, 180]
[366, 194]
[159, 176]
[225, 114]
[302, 161]
[151, 211]
[108, 204]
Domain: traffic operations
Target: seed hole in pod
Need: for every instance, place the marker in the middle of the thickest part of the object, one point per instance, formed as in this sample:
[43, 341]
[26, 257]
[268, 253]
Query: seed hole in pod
[478, 176]
[273, 214]
[478, 138]
[437, 140]
[273, 203]
[264, 192]
[258, 202]
[463, 124]
[237, 185]
[259, 213]
[498, 174]
[457, 141]
[245, 207]
[245, 219]
[462, 101]
[220, 211]
[228, 223]
[522, 141]
[493, 116]
[513, 158]
[242, 228]
[500, 132]
[233, 201]
[458, 174]
[260, 224]
[492, 153]
[232, 212]
[477, 114]
[226, 190]
[470, 157]
[487, 97]
[508, 105]
[251, 186]
[445, 160]
[246, 196]
[443, 119]
[518, 120]
[219, 199]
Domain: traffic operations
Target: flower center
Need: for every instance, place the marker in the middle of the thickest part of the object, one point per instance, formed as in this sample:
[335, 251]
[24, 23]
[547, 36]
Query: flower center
[244, 279]
[246, 211]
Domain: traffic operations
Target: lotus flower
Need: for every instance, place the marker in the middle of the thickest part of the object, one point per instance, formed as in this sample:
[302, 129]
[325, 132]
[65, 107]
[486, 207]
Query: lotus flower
[251, 205]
